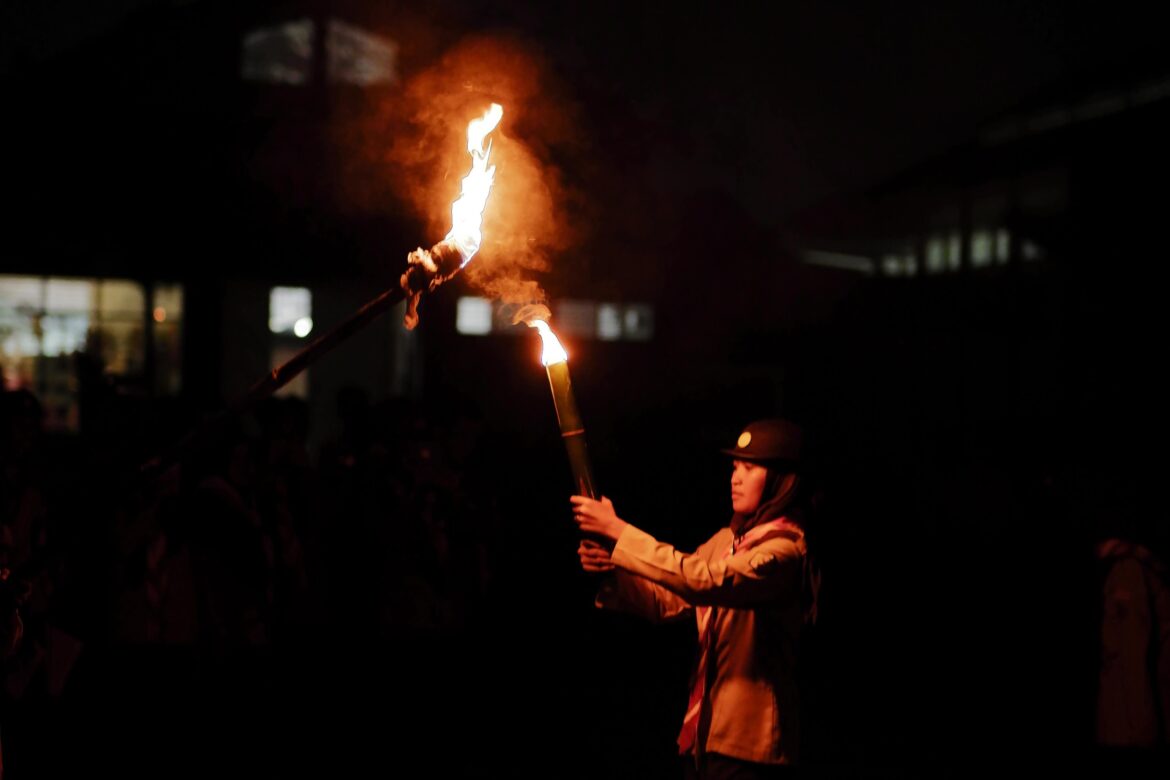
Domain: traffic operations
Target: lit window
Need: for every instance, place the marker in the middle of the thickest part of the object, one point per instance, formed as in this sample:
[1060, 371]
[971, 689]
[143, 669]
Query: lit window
[360, 57]
[638, 322]
[935, 260]
[981, 246]
[21, 293]
[473, 316]
[954, 252]
[282, 54]
[841, 260]
[892, 265]
[64, 333]
[609, 322]
[121, 309]
[45, 321]
[632, 321]
[575, 318]
[168, 303]
[1031, 251]
[1003, 246]
[168, 336]
[65, 320]
[117, 298]
[69, 295]
[21, 302]
[290, 310]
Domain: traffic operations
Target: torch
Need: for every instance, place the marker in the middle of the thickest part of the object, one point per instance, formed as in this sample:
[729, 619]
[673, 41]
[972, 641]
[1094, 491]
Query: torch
[426, 270]
[556, 363]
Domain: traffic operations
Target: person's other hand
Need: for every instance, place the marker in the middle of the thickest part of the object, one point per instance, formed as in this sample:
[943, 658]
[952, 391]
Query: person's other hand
[597, 517]
[595, 559]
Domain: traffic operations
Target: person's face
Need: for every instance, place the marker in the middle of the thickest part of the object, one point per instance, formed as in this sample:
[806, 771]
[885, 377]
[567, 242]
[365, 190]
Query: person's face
[747, 486]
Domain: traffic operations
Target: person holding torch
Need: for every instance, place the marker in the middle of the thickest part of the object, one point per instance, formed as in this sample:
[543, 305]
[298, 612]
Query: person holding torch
[750, 588]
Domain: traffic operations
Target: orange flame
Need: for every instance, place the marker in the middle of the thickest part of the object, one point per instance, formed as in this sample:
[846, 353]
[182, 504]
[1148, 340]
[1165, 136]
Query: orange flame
[467, 211]
[553, 351]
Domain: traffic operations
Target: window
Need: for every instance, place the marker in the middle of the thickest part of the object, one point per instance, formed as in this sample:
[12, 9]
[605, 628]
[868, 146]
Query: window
[359, 57]
[168, 335]
[900, 265]
[981, 247]
[290, 311]
[638, 322]
[858, 263]
[631, 321]
[583, 319]
[473, 316]
[1003, 246]
[954, 252]
[609, 322]
[282, 54]
[1030, 251]
[944, 253]
[45, 322]
[575, 318]
[935, 255]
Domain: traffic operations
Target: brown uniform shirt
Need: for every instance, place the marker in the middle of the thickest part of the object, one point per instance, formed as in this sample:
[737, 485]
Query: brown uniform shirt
[750, 705]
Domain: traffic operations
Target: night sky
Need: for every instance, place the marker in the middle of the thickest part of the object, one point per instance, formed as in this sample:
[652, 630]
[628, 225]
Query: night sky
[781, 104]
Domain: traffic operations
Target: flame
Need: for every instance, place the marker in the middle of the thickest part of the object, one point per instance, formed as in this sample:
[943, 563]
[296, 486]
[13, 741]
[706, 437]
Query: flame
[467, 211]
[553, 351]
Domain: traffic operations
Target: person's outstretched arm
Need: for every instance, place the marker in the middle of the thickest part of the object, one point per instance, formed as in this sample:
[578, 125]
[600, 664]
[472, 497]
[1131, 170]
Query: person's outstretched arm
[765, 572]
[619, 590]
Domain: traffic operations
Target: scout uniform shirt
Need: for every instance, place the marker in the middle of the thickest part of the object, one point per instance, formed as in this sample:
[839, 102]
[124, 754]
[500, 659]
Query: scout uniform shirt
[749, 707]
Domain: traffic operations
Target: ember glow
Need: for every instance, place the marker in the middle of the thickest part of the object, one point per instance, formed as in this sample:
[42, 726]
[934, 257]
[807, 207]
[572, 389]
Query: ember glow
[467, 211]
[553, 351]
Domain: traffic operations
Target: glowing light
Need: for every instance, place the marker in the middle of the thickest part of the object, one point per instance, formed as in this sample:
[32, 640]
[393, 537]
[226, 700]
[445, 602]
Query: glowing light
[473, 316]
[553, 351]
[303, 327]
[287, 305]
[467, 211]
[160, 314]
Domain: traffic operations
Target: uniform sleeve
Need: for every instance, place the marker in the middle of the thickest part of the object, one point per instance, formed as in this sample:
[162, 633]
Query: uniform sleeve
[626, 592]
[766, 572]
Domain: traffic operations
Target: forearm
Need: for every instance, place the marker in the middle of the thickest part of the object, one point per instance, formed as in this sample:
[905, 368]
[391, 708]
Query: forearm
[764, 573]
[626, 592]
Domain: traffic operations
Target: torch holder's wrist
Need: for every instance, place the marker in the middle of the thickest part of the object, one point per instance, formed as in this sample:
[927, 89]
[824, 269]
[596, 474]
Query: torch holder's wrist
[604, 541]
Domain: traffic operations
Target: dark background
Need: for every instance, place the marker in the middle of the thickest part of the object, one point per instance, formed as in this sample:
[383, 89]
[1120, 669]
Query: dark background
[977, 430]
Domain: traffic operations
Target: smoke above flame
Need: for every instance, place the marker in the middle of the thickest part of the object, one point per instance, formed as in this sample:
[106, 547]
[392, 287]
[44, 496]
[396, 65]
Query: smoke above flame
[530, 313]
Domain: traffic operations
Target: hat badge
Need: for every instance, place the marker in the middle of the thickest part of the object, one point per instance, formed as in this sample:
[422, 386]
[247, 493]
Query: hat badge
[745, 439]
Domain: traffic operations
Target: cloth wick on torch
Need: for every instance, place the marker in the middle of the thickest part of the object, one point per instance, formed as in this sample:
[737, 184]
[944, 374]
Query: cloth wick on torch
[556, 363]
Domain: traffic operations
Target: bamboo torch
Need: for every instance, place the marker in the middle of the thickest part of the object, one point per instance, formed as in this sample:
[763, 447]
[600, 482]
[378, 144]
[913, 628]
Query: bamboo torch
[556, 363]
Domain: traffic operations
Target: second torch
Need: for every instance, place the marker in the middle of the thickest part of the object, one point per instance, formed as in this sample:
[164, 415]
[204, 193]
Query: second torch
[556, 363]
